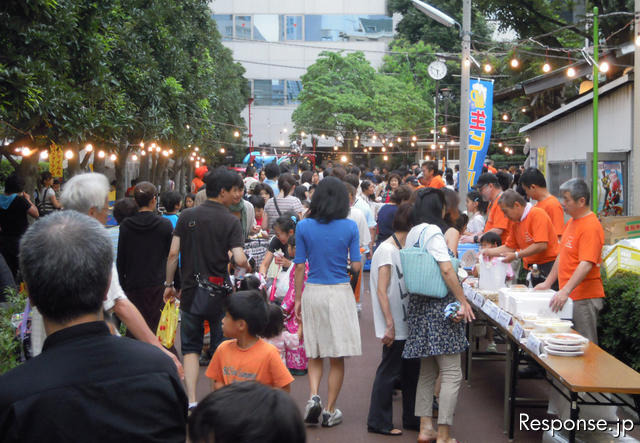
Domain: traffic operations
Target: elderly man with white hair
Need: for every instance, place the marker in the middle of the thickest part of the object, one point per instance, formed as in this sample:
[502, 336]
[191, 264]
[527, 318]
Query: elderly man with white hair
[88, 194]
[86, 385]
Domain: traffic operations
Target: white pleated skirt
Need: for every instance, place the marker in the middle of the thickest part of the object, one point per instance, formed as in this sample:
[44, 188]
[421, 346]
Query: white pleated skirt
[330, 321]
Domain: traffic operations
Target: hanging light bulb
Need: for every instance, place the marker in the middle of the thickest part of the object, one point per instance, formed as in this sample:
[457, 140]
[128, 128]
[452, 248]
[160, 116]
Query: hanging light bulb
[197, 165]
[506, 149]
[413, 144]
[44, 155]
[514, 62]
[488, 68]
[399, 140]
[142, 144]
[467, 62]
[433, 146]
[323, 136]
[171, 151]
[236, 134]
[524, 110]
[500, 144]
[571, 72]
[391, 144]
[433, 131]
[89, 147]
[221, 150]
[335, 148]
[546, 67]
[134, 158]
[113, 157]
[101, 154]
[343, 159]
[158, 149]
[374, 137]
[384, 149]
[196, 149]
[426, 157]
[414, 138]
[68, 155]
[444, 129]
[505, 117]
[284, 130]
[527, 139]
[385, 158]
[302, 134]
[143, 153]
[604, 67]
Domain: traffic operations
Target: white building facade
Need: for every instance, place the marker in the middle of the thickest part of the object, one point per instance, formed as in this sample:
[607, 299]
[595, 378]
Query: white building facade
[276, 40]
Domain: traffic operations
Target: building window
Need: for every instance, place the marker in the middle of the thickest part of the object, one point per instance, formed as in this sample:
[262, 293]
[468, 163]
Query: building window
[293, 90]
[225, 25]
[293, 27]
[347, 27]
[243, 27]
[268, 92]
[266, 27]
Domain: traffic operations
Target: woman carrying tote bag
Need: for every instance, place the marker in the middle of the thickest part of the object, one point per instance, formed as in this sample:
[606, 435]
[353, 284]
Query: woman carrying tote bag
[436, 340]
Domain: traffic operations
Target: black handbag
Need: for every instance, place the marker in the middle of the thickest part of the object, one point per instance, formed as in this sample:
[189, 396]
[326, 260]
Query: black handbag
[208, 298]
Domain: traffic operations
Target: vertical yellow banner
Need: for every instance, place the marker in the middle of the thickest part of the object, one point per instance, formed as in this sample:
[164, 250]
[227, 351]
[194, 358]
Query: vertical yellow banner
[542, 160]
[55, 160]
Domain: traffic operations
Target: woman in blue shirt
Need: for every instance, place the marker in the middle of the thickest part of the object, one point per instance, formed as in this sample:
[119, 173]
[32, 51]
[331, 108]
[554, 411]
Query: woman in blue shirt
[327, 308]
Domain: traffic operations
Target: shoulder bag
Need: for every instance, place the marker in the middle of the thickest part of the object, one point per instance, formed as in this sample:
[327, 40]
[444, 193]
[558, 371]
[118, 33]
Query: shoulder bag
[209, 298]
[421, 271]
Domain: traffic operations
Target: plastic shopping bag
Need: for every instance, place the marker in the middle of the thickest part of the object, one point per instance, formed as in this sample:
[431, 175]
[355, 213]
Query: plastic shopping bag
[168, 324]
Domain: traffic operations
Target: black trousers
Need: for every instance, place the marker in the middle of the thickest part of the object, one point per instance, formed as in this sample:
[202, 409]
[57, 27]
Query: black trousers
[391, 369]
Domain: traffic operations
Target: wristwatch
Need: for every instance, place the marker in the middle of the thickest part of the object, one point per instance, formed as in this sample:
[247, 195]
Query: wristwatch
[517, 255]
[168, 285]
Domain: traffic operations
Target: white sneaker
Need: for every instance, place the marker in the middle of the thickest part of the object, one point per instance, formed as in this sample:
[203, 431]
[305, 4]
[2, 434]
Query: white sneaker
[331, 419]
[312, 410]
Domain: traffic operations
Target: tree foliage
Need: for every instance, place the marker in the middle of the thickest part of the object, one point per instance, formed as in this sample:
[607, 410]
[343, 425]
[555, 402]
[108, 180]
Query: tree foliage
[345, 95]
[114, 73]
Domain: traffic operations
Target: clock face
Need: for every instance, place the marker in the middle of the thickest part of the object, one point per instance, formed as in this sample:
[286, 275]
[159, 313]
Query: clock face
[437, 70]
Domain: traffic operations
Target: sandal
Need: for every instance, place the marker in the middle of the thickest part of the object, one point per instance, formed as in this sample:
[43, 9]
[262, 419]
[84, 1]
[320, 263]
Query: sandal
[393, 432]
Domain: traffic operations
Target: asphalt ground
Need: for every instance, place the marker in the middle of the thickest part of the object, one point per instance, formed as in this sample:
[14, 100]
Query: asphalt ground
[479, 412]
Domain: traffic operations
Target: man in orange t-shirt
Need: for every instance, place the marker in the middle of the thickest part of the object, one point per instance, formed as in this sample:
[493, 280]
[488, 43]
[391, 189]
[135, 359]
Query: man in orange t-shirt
[431, 178]
[490, 190]
[531, 237]
[535, 185]
[578, 264]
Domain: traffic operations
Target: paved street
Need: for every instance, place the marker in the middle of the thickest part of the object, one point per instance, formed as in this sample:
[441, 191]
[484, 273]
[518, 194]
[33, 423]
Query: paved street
[478, 415]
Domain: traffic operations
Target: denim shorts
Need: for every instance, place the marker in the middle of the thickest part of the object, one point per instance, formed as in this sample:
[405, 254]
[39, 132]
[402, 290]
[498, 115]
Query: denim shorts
[192, 332]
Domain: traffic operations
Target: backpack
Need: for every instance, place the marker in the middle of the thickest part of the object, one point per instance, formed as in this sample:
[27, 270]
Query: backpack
[40, 202]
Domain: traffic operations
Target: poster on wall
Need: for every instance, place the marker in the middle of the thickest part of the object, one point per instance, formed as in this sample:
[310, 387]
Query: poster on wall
[610, 189]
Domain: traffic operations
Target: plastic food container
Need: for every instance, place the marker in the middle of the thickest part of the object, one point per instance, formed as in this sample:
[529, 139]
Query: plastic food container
[552, 326]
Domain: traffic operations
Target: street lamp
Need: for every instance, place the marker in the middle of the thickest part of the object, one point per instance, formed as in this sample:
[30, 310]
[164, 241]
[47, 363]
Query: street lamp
[434, 13]
[465, 33]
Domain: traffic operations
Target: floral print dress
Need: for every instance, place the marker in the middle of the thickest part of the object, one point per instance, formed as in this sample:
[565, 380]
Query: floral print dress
[430, 333]
[295, 356]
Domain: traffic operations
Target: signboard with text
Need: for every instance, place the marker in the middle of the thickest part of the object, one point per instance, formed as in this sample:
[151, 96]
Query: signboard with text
[480, 118]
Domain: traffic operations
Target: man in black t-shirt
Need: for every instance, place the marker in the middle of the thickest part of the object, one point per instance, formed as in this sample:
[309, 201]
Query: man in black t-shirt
[203, 238]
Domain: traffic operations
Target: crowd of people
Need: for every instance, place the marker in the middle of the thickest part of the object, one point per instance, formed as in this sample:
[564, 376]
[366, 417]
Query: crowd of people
[268, 269]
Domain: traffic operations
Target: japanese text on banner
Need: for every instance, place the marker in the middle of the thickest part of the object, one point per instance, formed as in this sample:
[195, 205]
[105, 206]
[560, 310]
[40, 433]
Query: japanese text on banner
[480, 118]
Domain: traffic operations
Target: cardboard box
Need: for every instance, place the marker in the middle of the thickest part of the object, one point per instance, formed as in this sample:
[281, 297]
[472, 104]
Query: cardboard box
[619, 228]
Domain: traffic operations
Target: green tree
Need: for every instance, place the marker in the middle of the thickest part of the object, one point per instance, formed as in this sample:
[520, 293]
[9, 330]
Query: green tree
[345, 95]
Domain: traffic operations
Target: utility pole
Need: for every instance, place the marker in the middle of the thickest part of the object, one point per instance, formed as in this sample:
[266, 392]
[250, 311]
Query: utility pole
[464, 100]
[634, 207]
